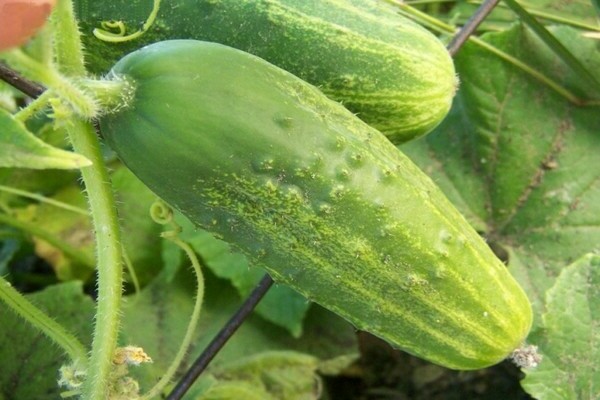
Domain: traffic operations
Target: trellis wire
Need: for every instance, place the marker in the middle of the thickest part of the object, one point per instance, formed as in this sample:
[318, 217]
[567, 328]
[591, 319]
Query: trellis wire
[13, 78]
[471, 25]
[221, 338]
[32, 89]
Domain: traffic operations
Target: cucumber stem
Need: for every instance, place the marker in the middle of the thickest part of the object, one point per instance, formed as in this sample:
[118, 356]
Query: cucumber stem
[68, 49]
[66, 89]
[103, 211]
[110, 94]
[109, 259]
[36, 106]
[550, 17]
[131, 272]
[185, 343]
[530, 9]
[37, 318]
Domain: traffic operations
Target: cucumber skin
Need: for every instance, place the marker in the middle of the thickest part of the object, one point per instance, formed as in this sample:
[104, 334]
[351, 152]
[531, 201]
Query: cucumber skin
[318, 198]
[391, 72]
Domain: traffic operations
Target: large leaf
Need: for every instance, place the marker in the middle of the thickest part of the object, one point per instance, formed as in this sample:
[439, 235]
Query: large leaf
[571, 339]
[156, 319]
[546, 11]
[521, 163]
[283, 375]
[19, 148]
[519, 160]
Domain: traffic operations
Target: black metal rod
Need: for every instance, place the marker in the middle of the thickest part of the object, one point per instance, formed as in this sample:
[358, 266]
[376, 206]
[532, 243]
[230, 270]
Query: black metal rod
[472, 24]
[16, 80]
[220, 339]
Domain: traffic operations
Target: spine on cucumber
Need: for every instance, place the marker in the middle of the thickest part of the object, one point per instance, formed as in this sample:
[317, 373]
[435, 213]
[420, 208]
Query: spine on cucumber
[389, 71]
[325, 203]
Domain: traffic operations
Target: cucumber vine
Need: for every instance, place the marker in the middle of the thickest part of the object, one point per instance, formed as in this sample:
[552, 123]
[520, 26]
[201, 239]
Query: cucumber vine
[107, 33]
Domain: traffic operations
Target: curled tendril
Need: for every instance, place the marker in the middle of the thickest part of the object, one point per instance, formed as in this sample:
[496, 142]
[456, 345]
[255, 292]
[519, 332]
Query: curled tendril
[107, 34]
[162, 214]
[114, 25]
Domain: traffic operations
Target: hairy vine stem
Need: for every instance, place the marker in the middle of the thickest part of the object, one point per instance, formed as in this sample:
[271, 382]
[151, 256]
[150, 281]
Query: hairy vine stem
[103, 210]
[37, 318]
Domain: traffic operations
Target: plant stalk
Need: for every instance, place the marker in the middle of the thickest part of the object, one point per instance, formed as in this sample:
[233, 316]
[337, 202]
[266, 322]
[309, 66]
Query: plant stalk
[103, 211]
[37, 318]
[109, 259]
[68, 49]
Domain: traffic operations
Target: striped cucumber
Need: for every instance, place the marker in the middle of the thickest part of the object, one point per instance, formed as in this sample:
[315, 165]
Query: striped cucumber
[325, 203]
[391, 72]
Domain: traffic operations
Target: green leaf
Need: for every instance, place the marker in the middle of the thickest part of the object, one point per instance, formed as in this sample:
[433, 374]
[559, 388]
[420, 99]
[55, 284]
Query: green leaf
[19, 148]
[156, 320]
[74, 229]
[518, 159]
[283, 375]
[30, 361]
[230, 390]
[7, 98]
[8, 248]
[570, 343]
[43, 182]
[577, 13]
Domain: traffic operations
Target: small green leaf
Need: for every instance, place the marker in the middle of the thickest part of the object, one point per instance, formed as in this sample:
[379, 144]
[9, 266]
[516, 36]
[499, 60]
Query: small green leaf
[237, 389]
[281, 375]
[19, 148]
[570, 343]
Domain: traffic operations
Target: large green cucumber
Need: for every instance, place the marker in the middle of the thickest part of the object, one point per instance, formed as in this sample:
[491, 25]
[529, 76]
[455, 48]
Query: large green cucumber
[322, 201]
[391, 72]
